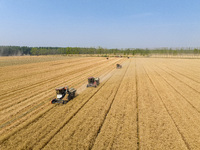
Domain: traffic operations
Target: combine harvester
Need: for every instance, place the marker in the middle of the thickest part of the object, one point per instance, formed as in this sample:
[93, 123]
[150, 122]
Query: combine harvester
[93, 82]
[61, 92]
[118, 66]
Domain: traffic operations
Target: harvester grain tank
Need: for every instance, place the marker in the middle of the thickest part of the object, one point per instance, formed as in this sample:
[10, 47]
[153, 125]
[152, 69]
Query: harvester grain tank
[61, 92]
[93, 82]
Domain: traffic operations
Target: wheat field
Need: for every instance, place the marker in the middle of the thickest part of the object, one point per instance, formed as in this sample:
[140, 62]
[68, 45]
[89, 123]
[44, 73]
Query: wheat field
[150, 103]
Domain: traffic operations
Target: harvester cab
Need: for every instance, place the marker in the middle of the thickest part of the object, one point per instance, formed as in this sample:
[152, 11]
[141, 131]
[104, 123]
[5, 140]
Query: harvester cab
[60, 94]
[118, 66]
[93, 82]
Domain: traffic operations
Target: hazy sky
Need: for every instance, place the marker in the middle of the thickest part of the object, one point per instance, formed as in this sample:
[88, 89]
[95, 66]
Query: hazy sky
[105, 23]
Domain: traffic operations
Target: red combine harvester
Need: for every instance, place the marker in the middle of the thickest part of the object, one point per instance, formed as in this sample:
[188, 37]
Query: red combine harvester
[93, 82]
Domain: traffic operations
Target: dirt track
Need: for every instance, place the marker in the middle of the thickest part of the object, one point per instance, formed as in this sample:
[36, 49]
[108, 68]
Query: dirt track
[148, 104]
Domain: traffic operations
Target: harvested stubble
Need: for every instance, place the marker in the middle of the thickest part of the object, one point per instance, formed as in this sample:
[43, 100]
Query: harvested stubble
[82, 130]
[119, 130]
[38, 95]
[39, 90]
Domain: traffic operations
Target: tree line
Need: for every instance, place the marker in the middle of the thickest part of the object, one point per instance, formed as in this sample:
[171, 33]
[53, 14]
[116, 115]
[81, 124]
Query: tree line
[23, 50]
[14, 50]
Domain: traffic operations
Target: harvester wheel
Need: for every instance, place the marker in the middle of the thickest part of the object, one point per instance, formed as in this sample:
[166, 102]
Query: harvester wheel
[53, 101]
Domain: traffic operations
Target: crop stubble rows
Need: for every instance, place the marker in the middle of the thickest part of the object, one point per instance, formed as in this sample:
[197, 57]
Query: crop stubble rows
[46, 91]
[148, 104]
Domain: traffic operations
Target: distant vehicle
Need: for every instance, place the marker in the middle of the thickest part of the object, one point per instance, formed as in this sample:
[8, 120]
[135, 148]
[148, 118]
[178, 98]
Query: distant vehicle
[93, 82]
[61, 92]
[118, 66]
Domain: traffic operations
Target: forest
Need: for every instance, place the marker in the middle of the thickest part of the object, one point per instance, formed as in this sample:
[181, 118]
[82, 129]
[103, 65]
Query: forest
[24, 50]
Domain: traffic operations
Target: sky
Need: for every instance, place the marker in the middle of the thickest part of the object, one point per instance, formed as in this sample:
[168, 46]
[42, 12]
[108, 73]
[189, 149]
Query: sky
[105, 23]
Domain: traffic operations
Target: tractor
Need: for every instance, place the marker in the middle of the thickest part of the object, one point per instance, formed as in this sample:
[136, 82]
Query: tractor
[118, 66]
[93, 82]
[61, 92]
